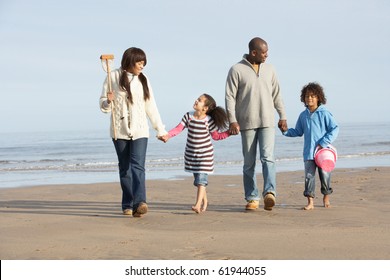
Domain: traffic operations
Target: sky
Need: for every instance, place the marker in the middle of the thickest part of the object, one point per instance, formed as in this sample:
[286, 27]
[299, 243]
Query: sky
[51, 76]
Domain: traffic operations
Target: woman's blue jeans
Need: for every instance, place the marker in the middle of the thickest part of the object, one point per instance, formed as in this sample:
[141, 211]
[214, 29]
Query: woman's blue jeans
[265, 138]
[131, 161]
[310, 172]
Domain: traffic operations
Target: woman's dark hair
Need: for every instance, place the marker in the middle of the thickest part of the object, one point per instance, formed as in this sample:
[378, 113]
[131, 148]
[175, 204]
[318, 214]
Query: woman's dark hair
[217, 113]
[130, 57]
[314, 89]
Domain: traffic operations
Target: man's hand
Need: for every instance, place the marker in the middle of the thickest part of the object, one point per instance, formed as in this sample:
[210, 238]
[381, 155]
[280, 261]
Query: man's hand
[282, 124]
[234, 128]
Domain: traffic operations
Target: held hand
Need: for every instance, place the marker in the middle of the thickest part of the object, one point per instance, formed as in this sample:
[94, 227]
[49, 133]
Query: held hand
[234, 128]
[163, 138]
[282, 124]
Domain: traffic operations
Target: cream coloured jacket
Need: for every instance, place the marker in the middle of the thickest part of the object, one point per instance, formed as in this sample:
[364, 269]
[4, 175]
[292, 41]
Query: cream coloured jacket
[131, 120]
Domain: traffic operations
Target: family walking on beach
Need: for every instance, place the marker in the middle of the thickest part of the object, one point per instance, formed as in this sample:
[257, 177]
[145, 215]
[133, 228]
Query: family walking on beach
[252, 95]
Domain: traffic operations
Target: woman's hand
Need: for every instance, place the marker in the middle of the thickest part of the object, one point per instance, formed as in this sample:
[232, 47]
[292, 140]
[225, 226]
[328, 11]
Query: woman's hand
[163, 138]
[110, 97]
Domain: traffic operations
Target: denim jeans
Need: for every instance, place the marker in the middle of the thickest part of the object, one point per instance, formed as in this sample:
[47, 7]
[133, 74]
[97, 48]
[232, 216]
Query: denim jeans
[131, 161]
[265, 138]
[310, 172]
[201, 179]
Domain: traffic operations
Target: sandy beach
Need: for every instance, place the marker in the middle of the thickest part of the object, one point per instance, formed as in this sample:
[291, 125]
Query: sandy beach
[63, 222]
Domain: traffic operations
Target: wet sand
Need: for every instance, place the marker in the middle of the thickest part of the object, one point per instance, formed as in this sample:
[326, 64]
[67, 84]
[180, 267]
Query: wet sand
[63, 222]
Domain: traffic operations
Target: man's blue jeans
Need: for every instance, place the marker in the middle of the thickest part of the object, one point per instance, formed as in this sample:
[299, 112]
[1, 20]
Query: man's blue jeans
[131, 160]
[265, 138]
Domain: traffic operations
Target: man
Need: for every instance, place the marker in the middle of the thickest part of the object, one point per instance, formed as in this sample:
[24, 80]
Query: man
[252, 95]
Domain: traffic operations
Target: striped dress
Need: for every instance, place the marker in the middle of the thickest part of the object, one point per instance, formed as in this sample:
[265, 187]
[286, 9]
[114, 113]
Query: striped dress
[199, 151]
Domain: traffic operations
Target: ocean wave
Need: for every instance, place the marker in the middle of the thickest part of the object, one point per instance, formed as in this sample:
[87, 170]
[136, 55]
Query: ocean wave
[60, 167]
[157, 160]
[379, 143]
[30, 161]
[157, 163]
[362, 155]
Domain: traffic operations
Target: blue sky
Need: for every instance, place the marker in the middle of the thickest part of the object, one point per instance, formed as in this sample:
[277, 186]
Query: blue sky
[51, 76]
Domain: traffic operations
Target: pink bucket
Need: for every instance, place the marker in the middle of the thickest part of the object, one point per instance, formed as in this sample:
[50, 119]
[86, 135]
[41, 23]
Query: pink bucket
[325, 158]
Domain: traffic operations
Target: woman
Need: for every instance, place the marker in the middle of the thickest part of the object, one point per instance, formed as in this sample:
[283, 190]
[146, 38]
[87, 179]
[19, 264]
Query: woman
[132, 103]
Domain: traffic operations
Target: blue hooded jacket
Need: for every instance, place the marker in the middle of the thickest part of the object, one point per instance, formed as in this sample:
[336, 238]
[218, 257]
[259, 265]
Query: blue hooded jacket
[318, 128]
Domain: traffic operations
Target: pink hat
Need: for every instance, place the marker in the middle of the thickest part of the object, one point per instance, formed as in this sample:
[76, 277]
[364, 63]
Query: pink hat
[325, 158]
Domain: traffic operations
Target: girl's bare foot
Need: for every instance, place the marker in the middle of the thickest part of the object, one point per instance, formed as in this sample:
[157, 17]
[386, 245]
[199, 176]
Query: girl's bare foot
[310, 204]
[196, 209]
[326, 201]
[200, 199]
[205, 202]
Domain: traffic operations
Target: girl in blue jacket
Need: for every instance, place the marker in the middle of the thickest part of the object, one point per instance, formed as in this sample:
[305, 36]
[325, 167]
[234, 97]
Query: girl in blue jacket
[320, 129]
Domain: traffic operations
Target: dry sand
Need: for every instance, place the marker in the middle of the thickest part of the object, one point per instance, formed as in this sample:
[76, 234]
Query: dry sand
[85, 222]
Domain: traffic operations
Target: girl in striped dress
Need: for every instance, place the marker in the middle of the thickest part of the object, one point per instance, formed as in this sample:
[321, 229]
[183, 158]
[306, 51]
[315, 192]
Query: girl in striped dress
[205, 122]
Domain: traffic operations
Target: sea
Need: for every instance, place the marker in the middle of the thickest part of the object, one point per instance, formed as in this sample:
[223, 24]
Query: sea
[82, 157]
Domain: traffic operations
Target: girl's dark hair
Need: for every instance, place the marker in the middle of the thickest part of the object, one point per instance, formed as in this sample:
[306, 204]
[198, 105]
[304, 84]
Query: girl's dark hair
[217, 113]
[316, 90]
[130, 57]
